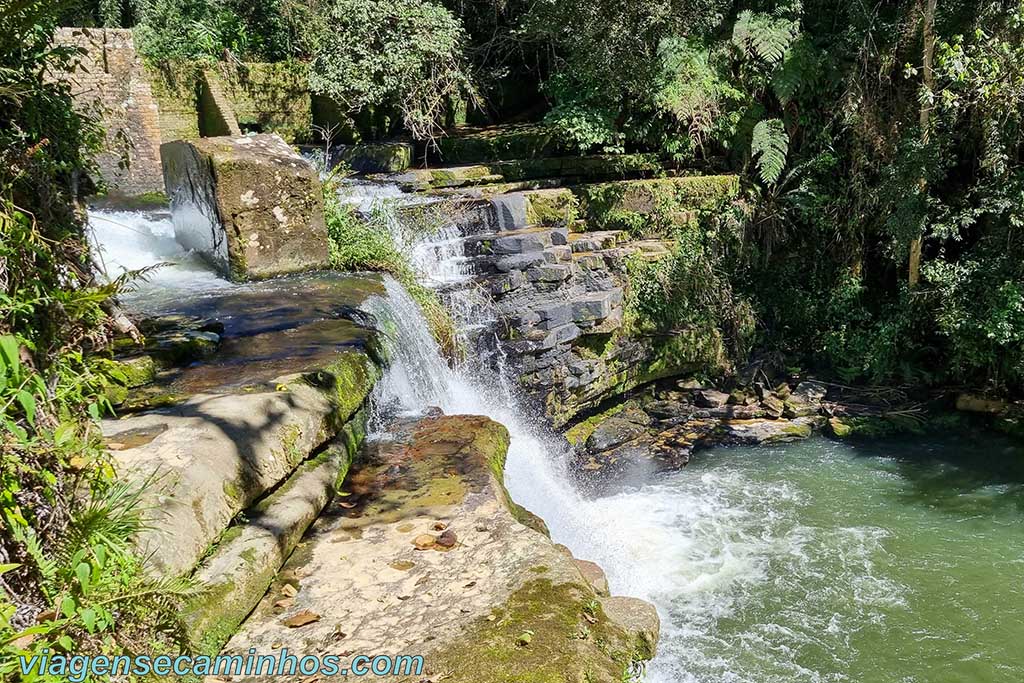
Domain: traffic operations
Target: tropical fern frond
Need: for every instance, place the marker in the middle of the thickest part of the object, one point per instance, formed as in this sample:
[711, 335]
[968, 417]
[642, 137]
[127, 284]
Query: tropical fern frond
[47, 566]
[770, 146]
[763, 36]
[798, 70]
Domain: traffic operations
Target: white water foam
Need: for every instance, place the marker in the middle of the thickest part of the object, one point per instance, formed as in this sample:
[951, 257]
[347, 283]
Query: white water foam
[704, 546]
[124, 241]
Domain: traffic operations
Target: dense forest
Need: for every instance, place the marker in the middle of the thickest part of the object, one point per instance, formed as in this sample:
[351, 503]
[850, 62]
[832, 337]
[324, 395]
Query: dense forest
[880, 233]
[879, 238]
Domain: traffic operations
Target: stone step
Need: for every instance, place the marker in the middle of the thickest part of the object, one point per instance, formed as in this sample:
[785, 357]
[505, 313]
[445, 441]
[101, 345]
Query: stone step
[596, 241]
[206, 459]
[567, 168]
[512, 242]
[491, 143]
[246, 559]
[429, 556]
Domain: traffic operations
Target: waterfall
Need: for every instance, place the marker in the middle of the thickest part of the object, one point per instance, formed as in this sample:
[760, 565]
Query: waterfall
[124, 241]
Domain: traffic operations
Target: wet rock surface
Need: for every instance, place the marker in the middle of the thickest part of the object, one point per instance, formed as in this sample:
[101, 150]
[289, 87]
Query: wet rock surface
[560, 303]
[295, 361]
[241, 339]
[661, 429]
[424, 553]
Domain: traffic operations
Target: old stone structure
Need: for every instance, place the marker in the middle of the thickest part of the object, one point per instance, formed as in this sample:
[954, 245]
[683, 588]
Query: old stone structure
[141, 106]
[109, 82]
[251, 204]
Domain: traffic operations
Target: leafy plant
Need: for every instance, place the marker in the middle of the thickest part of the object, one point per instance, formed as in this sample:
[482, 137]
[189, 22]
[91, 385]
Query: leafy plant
[769, 145]
[361, 243]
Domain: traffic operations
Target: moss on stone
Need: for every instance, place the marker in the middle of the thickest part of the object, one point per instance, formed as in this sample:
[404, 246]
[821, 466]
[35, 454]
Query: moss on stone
[348, 381]
[526, 141]
[570, 639]
[653, 206]
[578, 434]
[551, 207]
[270, 97]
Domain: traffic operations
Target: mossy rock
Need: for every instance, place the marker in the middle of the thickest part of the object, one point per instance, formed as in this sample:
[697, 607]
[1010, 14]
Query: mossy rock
[551, 207]
[497, 143]
[545, 633]
[653, 205]
[378, 157]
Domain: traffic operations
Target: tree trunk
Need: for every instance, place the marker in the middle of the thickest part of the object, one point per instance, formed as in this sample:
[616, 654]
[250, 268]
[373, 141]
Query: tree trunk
[928, 35]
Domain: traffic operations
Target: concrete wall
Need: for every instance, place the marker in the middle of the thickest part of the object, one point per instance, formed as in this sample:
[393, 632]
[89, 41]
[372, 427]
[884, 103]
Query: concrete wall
[109, 82]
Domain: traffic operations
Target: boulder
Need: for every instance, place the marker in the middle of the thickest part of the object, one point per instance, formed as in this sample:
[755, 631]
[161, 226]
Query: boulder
[668, 409]
[812, 393]
[251, 205]
[594, 575]
[773, 406]
[972, 403]
[755, 432]
[709, 398]
[793, 408]
[613, 432]
[839, 429]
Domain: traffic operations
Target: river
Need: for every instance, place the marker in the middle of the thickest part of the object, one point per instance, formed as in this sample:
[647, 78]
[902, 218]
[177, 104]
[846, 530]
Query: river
[892, 562]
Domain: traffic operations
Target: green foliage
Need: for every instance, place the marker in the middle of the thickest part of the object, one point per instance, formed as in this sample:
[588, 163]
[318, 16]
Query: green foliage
[67, 581]
[415, 66]
[691, 290]
[763, 36]
[267, 30]
[359, 243]
[769, 145]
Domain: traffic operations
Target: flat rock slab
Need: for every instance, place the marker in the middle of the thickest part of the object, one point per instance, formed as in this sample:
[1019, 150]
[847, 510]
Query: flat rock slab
[248, 556]
[208, 458]
[427, 555]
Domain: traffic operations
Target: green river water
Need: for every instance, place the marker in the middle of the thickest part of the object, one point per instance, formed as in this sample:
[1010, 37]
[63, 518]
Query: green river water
[891, 562]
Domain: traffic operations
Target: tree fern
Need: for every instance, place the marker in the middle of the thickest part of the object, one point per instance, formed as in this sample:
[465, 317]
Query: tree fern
[763, 36]
[769, 146]
[799, 70]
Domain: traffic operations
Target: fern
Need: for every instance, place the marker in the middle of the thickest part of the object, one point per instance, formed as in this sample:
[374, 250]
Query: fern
[26, 536]
[798, 70]
[763, 36]
[769, 146]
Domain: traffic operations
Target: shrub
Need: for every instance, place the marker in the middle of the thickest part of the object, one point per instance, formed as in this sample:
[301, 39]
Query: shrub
[361, 244]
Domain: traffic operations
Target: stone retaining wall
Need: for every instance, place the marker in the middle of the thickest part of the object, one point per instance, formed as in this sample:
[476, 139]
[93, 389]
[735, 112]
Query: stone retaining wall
[108, 81]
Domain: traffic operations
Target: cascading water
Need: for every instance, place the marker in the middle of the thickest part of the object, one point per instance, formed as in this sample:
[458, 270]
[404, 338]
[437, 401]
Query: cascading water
[817, 562]
[124, 241]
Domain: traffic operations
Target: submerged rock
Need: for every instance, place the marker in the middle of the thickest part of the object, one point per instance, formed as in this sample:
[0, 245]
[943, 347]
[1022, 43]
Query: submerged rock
[251, 205]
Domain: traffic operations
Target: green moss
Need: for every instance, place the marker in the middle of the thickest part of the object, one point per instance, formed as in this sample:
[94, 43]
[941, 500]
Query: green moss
[270, 97]
[570, 639]
[653, 206]
[527, 141]
[551, 207]
[800, 431]
[578, 434]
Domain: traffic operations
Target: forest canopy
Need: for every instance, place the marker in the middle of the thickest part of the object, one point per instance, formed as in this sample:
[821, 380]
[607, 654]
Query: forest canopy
[881, 143]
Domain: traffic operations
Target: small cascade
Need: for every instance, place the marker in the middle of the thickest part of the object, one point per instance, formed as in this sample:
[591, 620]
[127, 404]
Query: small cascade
[124, 241]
